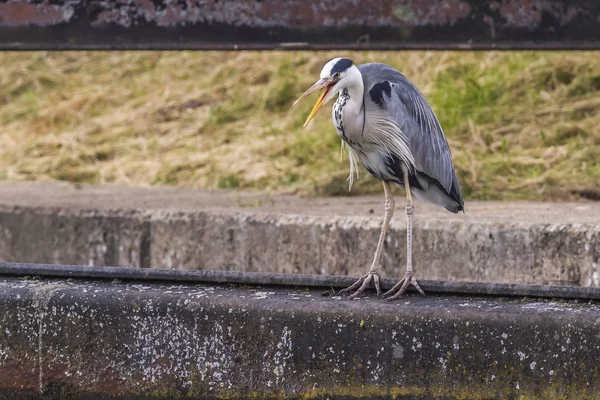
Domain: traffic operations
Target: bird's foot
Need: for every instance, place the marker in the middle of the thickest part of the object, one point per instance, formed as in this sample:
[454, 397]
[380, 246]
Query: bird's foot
[362, 283]
[400, 287]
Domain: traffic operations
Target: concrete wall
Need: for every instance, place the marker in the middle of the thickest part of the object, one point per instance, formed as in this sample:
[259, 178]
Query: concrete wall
[248, 241]
[77, 339]
[511, 242]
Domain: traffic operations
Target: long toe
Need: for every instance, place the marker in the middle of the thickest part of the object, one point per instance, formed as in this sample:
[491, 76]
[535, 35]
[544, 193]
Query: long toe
[416, 285]
[376, 282]
[362, 287]
[398, 290]
[394, 289]
[354, 286]
[362, 284]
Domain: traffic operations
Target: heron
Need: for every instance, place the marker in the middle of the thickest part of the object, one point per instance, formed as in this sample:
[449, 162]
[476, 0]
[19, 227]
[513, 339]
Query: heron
[388, 126]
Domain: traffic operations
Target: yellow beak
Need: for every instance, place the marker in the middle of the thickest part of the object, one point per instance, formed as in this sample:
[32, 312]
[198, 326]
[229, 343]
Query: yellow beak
[320, 84]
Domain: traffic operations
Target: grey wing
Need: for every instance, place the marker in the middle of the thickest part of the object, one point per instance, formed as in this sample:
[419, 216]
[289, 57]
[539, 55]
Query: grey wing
[417, 121]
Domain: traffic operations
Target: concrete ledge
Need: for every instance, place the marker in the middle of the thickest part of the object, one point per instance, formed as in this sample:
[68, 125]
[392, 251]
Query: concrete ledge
[292, 280]
[542, 243]
[149, 340]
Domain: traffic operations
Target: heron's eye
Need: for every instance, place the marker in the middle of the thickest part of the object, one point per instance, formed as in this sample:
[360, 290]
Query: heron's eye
[336, 75]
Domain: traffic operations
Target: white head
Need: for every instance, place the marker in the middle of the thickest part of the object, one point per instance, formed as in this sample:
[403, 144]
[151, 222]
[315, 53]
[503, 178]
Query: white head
[337, 74]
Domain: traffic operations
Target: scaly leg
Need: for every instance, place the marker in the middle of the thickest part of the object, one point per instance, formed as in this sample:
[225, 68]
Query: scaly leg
[409, 276]
[372, 275]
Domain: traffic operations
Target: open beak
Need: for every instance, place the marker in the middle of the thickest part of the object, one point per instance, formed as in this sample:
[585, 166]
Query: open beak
[320, 84]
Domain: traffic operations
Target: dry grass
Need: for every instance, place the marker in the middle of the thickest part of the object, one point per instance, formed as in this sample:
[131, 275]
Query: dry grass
[522, 125]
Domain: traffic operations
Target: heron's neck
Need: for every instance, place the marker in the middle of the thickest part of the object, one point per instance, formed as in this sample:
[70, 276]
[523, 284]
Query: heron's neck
[355, 89]
[348, 112]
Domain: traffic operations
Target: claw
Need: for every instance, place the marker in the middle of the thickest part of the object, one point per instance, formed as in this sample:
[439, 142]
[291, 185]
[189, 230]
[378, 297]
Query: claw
[362, 283]
[401, 286]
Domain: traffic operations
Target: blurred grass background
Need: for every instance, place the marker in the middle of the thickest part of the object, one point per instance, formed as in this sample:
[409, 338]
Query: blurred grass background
[521, 125]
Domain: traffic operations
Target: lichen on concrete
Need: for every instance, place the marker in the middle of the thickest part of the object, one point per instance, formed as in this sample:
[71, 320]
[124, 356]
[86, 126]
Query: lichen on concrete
[207, 341]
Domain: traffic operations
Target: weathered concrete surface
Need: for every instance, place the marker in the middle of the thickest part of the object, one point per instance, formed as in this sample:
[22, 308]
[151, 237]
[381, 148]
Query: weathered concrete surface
[82, 339]
[545, 243]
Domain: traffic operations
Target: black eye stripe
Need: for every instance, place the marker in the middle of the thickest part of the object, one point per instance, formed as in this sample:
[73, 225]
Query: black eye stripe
[341, 65]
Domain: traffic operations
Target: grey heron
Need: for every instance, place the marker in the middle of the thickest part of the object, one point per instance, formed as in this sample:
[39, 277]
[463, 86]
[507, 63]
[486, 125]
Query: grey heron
[390, 128]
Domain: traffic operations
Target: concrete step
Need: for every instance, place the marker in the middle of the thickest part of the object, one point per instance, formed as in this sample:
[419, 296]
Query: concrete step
[511, 242]
[141, 338]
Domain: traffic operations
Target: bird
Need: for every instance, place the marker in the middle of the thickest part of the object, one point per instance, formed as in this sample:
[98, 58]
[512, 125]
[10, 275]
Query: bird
[388, 126]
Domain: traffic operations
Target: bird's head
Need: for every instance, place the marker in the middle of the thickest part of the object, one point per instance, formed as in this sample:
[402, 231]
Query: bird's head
[337, 73]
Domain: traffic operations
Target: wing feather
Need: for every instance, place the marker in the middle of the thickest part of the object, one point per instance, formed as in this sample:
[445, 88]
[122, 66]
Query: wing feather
[418, 125]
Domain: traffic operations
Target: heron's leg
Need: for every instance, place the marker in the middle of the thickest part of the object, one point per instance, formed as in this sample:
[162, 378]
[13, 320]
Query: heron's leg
[409, 276]
[362, 283]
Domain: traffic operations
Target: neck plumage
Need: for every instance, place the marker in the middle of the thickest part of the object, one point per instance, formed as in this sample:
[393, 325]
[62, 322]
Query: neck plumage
[355, 88]
[350, 103]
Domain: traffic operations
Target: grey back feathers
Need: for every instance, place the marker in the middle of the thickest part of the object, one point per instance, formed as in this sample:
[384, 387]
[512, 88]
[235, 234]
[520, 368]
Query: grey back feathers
[390, 91]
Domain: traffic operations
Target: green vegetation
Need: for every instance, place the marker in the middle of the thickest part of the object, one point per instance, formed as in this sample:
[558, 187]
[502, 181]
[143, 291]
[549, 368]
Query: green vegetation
[521, 125]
